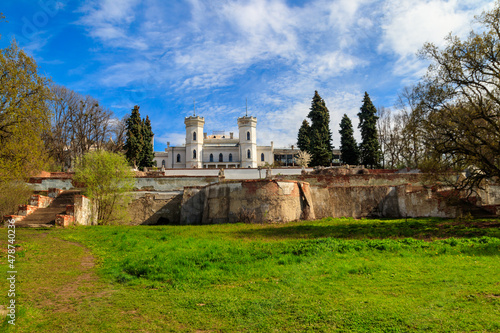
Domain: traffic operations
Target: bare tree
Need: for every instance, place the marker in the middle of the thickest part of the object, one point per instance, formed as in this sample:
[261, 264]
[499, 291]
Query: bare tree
[413, 149]
[79, 124]
[117, 138]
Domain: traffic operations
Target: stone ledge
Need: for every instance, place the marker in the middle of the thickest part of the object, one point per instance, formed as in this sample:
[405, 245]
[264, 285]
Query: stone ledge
[17, 218]
[40, 201]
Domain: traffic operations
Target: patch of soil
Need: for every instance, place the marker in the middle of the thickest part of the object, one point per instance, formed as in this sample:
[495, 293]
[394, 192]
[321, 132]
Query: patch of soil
[81, 288]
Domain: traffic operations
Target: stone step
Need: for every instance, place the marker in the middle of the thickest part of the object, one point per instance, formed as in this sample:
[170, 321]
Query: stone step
[48, 215]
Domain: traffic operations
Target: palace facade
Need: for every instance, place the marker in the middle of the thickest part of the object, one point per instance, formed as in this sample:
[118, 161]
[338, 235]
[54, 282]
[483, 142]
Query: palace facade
[217, 150]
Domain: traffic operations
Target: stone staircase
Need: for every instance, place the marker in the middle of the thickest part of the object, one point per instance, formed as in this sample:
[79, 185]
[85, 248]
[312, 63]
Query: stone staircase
[45, 211]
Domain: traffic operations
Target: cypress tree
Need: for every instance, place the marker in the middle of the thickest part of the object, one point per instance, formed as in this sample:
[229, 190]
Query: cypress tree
[369, 147]
[147, 153]
[321, 147]
[348, 145]
[303, 139]
[135, 142]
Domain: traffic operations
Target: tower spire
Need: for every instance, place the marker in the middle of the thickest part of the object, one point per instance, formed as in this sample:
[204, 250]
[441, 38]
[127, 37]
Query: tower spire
[246, 106]
[194, 107]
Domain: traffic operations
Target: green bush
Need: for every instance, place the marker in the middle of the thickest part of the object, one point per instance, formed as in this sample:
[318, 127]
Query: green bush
[107, 179]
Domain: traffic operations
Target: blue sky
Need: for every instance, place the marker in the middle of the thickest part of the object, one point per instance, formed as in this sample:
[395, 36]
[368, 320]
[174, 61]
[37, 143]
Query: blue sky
[161, 55]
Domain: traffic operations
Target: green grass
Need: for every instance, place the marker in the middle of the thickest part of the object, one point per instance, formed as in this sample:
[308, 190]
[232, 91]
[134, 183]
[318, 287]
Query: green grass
[331, 275]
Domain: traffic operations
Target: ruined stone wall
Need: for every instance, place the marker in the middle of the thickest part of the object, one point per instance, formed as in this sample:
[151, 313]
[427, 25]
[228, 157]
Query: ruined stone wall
[39, 184]
[155, 208]
[253, 201]
[379, 201]
[490, 195]
[205, 200]
[145, 183]
[421, 202]
[374, 179]
[165, 184]
[85, 213]
[193, 204]
[356, 201]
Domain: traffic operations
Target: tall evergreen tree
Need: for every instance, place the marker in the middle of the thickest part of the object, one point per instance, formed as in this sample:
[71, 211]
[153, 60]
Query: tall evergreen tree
[303, 139]
[147, 153]
[321, 147]
[370, 146]
[348, 146]
[135, 142]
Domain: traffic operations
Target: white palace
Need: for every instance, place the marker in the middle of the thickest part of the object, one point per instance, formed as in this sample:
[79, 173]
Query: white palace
[217, 150]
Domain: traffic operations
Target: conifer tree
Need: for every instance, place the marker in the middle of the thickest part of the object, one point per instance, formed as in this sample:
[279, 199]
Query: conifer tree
[303, 139]
[135, 142]
[321, 147]
[348, 145]
[370, 147]
[147, 153]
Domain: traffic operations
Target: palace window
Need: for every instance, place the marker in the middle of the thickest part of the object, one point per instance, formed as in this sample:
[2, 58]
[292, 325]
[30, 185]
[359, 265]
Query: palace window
[211, 157]
[262, 157]
[230, 157]
[194, 136]
[194, 153]
[249, 154]
[221, 159]
[178, 158]
[163, 163]
[248, 135]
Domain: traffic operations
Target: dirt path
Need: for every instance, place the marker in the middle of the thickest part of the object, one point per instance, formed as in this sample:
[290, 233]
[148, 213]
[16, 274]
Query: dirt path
[83, 287]
[59, 275]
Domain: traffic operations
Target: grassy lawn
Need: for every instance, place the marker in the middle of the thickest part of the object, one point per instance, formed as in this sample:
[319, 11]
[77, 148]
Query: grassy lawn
[320, 276]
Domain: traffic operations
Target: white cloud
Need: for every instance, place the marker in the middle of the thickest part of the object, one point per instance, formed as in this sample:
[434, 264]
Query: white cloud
[109, 20]
[277, 52]
[408, 24]
[331, 64]
[121, 74]
[282, 126]
[175, 139]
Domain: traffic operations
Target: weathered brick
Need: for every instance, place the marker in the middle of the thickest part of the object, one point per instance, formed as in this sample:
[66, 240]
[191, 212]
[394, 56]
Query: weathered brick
[64, 220]
[26, 210]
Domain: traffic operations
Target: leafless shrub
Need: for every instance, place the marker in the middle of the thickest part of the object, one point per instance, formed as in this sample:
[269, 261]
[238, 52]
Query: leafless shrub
[13, 194]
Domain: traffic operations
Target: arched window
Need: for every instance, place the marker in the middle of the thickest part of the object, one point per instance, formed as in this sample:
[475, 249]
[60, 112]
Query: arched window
[230, 157]
[248, 135]
[249, 154]
[211, 157]
[221, 158]
[178, 158]
[194, 136]
[163, 163]
[262, 157]
[194, 153]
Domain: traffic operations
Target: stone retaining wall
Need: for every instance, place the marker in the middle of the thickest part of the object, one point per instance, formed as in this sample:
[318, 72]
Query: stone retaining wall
[249, 201]
[155, 208]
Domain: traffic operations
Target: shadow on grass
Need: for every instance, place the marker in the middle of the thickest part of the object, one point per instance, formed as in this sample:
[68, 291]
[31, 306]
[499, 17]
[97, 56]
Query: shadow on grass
[379, 229]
